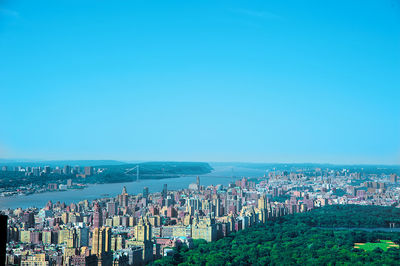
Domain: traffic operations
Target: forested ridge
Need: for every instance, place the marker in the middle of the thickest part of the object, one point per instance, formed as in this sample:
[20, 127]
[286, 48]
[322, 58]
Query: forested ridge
[299, 240]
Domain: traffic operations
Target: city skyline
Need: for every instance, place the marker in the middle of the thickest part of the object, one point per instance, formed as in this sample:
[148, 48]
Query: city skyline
[213, 81]
[152, 224]
[225, 132]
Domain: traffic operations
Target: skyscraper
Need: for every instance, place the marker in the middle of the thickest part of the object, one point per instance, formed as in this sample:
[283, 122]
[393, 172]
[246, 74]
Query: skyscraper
[123, 198]
[101, 245]
[97, 241]
[101, 241]
[77, 170]
[111, 208]
[143, 230]
[145, 192]
[107, 239]
[83, 236]
[88, 170]
[262, 203]
[143, 234]
[164, 191]
[67, 170]
[218, 208]
[97, 216]
[47, 169]
[72, 240]
[29, 219]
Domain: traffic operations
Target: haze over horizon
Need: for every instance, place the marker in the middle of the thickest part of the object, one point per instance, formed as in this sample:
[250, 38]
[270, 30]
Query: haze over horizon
[5, 161]
[225, 81]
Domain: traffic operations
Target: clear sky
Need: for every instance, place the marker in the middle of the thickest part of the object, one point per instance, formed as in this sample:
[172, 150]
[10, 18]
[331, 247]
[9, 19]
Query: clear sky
[262, 81]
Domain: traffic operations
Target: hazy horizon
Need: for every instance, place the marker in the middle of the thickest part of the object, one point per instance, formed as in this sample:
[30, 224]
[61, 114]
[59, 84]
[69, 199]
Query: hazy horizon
[27, 160]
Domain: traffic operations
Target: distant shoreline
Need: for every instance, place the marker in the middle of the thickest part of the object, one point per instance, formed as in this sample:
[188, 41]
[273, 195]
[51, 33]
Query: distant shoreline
[20, 194]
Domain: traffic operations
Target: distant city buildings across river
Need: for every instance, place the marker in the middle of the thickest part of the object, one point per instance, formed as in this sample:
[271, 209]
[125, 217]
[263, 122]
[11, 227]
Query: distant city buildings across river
[221, 175]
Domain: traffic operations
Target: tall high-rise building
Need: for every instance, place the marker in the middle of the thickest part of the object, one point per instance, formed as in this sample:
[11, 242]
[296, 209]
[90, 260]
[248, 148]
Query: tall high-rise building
[88, 170]
[29, 219]
[107, 238]
[123, 198]
[101, 245]
[204, 228]
[47, 169]
[67, 170]
[143, 230]
[36, 171]
[164, 191]
[97, 216]
[262, 203]
[47, 237]
[145, 192]
[393, 178]
[143, 234]
[83, 236]
[218, 208]
[77, 170]
[198, 182]
[111, 208]
[72, 241]
[65, 217]
[98, 241]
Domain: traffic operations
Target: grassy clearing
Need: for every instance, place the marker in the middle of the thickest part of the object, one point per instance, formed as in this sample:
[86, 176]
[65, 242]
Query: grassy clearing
[383, 244]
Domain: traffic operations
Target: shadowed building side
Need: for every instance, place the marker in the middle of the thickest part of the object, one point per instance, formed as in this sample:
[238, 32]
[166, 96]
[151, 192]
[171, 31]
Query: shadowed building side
[3, 238]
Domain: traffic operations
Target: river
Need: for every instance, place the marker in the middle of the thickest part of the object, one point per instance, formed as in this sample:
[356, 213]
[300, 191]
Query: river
[220, 175]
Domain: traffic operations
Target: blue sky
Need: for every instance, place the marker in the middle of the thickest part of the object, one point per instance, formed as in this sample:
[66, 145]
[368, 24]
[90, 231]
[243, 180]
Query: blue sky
[262, 81]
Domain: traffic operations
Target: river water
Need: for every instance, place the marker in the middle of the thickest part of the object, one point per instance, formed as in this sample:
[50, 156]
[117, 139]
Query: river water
[220, 175]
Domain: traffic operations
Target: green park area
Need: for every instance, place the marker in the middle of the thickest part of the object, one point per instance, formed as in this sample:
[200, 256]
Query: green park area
[382, 244]
[303, 239]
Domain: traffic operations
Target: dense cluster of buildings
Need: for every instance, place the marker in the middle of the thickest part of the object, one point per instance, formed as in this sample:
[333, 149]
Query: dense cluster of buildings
[40, 179]
[136, 229]
[46, 170]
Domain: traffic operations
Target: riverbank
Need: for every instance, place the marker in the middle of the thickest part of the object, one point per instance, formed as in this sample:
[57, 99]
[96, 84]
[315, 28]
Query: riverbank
[221, 175]
[97, 190]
